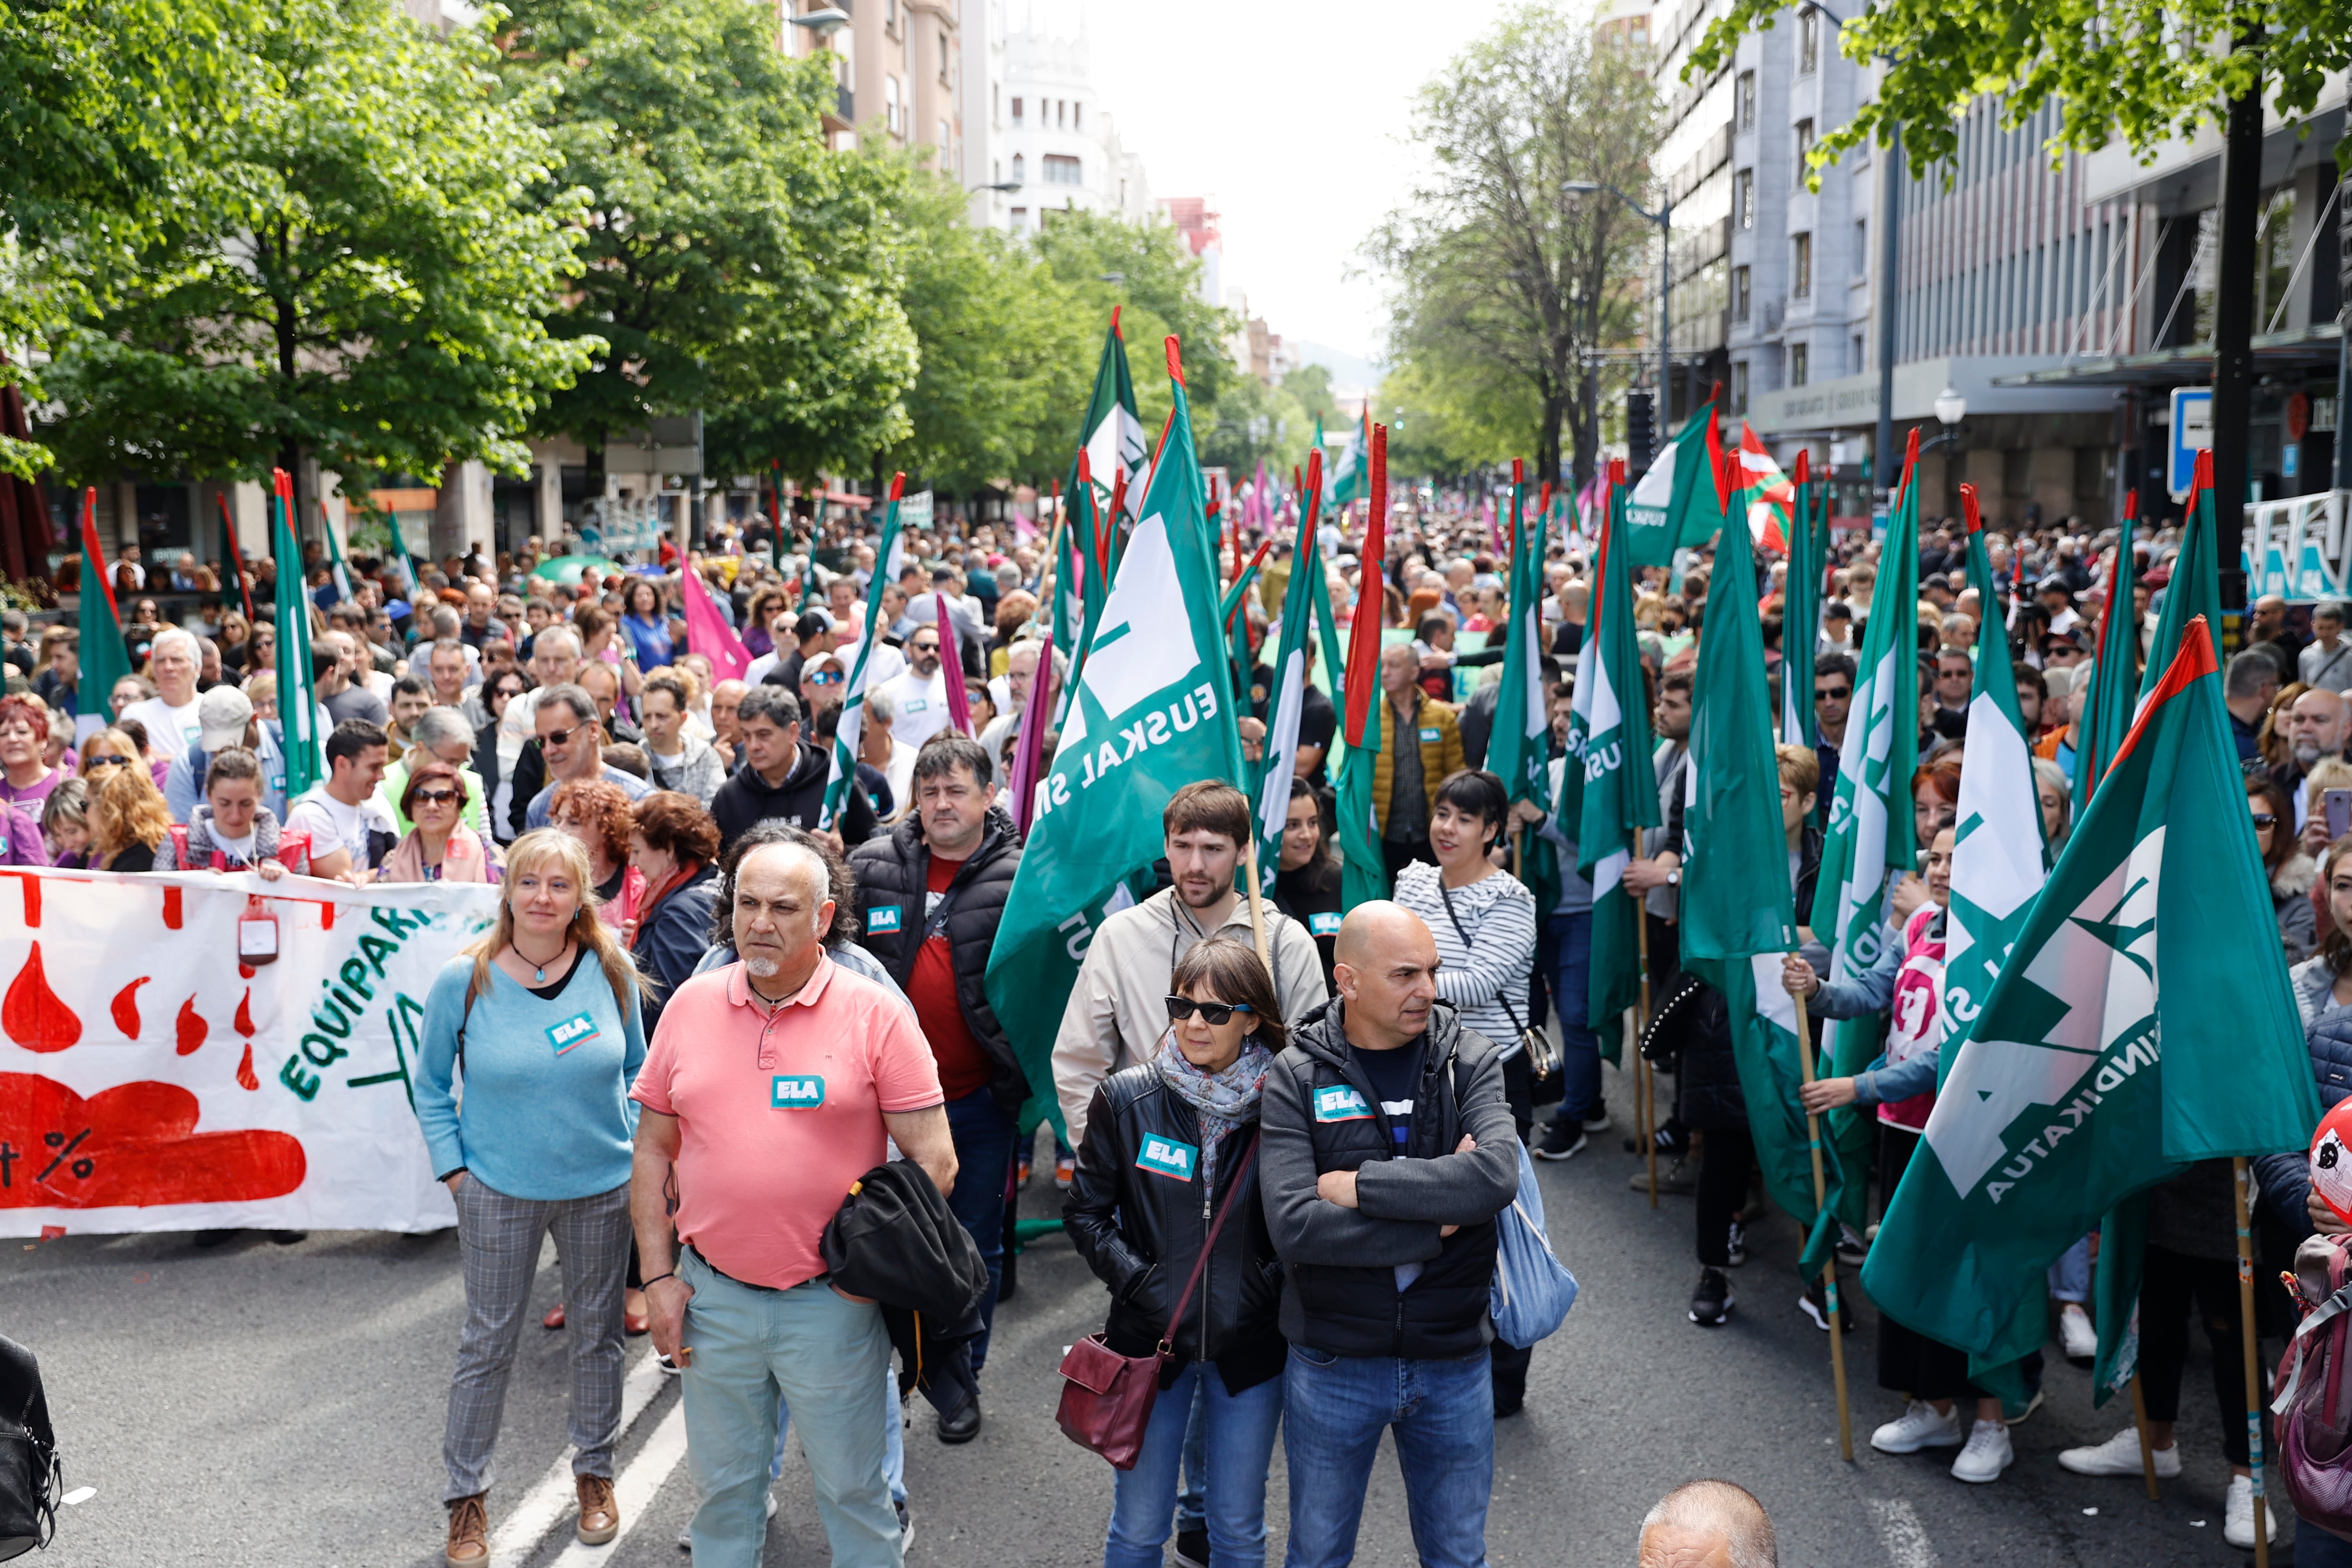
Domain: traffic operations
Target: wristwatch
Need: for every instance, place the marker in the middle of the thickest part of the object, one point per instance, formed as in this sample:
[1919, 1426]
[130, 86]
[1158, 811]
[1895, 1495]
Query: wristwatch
[1675, 877]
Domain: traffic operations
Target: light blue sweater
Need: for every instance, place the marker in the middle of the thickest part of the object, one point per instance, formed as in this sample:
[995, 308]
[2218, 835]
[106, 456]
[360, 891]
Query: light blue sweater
[546, 1112]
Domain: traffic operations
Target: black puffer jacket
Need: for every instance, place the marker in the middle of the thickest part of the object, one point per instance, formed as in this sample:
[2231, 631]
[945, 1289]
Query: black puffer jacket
[746, 801]
[893, 875]
[1340, 1294]
[1142, 1231]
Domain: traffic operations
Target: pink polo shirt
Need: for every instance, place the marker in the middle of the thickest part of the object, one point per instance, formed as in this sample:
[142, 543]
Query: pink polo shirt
[778, 1114]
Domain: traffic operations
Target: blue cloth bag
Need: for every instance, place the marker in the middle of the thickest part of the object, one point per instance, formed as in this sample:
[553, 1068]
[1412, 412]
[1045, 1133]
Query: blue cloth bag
[1533, 1288]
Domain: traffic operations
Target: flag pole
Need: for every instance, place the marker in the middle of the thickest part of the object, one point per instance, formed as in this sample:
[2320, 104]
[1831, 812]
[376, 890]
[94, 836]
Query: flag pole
[2239, 1181]
[1257, 906]
[2139, 1422]
[1645, 1083]
[1829, 1269]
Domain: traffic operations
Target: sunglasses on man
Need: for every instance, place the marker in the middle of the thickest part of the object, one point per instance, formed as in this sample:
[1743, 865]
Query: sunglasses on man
[1832, 694]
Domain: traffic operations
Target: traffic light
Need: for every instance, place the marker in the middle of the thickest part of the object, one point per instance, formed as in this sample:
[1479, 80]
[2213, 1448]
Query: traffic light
[1641, 432]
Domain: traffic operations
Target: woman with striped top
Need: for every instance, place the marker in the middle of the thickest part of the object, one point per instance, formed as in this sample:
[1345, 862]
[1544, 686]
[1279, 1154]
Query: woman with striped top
[1484, 920]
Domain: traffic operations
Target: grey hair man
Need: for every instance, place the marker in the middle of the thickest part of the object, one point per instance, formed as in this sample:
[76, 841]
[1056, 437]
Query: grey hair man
[573, 743]
[1708, 1524]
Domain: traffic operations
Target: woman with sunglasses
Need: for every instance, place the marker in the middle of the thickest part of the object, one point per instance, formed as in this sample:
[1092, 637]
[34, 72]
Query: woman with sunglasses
[128, 818]
[439, 847]
[497, 750]
[1171, 1142]
[2293, 874]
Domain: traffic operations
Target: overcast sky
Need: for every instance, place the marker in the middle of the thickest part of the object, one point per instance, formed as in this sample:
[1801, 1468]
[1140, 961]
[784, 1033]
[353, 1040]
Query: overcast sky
[1292, 114]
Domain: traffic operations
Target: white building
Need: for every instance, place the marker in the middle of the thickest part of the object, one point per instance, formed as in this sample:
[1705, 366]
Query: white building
[1053, 138]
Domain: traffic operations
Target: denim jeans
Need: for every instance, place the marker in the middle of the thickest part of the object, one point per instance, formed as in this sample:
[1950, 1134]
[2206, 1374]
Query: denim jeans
[1193, 1497]
[824, 1354]
[2070, 1277]
[984, 1137]
[1335, 1408]
[1579, 1048]
[1238, 1430]
[893, 1428]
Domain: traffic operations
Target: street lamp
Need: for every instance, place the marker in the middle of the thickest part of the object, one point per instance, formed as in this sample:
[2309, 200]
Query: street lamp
[1665, 219]
[1950, 409]
[822, 24]
[1005, 185]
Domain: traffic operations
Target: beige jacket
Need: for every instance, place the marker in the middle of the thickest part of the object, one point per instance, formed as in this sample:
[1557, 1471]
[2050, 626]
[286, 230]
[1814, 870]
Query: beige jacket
[1118, 1010]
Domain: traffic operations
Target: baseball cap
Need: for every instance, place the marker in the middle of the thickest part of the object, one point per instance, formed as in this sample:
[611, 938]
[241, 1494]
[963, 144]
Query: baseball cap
[222, 714]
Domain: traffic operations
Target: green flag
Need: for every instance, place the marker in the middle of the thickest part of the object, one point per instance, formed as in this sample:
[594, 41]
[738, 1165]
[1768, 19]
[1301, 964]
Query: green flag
[1152, 712]
[104, 660]
[1520, 750]
[1363, 868]
[2143, 1022]
[1681, 500]
[297, 702]
[1352, 476]
[1610, 744]
[1109, 461]
[841, 776]
[2195, 587]
[2106, 717]
[1288, 698]
[1737, 901]
[342, 568]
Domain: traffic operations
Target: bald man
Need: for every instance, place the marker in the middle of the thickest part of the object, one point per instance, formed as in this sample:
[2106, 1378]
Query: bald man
[2314, 729]
[1387, 1150]
[1708, 1524]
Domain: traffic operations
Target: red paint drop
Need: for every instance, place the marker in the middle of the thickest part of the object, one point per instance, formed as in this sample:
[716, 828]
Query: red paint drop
[244, 971]
[33, 1015]
[245, 1078]
[125, 1008]
[326, 917]
[172, 908]
[191, 1027]
[32, 886]
[244, 1014]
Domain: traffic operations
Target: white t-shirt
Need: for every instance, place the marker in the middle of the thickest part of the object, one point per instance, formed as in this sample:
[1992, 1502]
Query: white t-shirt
[170, 731]
[922, 708]
[333, 825]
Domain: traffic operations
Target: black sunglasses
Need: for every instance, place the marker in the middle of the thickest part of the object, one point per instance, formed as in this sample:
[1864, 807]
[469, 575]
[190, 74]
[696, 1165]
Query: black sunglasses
[98, 762]
[560, 737]
[1832, 694]
[436, 797]
[2264, 820]
[1212, 1013]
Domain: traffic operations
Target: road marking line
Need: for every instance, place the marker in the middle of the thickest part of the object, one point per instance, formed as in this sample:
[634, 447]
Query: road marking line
[1904, 1537]
[547, 1503]
[641, 1477]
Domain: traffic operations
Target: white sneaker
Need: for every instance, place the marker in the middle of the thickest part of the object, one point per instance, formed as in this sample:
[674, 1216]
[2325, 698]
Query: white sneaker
[2119, 1456]
[1987, 1455]
[2238, 1523]
[1918, 1427]
[2076, 1337]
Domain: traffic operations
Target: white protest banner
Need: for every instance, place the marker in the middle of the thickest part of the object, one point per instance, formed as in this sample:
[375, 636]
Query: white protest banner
[150, 1080]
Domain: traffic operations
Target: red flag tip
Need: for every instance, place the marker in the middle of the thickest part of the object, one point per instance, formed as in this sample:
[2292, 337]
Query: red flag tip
[1519, 472]
[1804, 465]
[1175, 361]
[1974, 519]
[898, 485]
[1114, 318]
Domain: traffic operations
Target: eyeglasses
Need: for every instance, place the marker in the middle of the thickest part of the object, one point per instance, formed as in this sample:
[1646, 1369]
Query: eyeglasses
[1832, 694]
[96, 763]
[1212, 1013]
[2264, 821]
[560, 737]
[825, 678]
[926, 647]
[436, 797]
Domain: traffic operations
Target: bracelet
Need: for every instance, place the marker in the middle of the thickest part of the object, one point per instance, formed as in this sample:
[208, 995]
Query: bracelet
[656, 1279]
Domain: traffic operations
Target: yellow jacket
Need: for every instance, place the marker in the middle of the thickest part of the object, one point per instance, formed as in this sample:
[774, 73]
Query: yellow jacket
[1441, 753]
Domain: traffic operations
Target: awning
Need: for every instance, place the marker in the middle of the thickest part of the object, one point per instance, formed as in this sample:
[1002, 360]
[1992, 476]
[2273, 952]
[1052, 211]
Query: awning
[2305, 347]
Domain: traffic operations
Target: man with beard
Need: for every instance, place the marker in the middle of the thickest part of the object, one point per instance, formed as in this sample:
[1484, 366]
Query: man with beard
[2314, 729]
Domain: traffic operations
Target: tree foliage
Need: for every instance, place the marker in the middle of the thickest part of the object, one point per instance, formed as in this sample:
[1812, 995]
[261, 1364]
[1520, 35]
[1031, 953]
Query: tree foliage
[1501, 282]
[1275, 424]
[2141, 70]
[358, 268]
[733, 263]
[1147, 270]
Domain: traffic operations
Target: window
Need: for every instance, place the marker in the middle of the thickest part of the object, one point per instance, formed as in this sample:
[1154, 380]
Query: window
[1078, 116]
[890, 15]
[1020, 215]
[1739, 383]
[945, 136]
[1016, 114]
[1061, 111]
[1861, 360]
[1798, 367]
[890, 104]
[1800, 266]
[1020, 169]
[1809, 41]
[1743, 198]
[947, 58]
[1804, 144]
[1739, 293]
[1062, 170]
[1862, 247]
[1743, 101]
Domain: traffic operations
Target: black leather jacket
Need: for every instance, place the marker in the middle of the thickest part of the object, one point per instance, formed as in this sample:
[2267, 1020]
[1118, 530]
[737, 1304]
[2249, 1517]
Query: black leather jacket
[1141, 1232]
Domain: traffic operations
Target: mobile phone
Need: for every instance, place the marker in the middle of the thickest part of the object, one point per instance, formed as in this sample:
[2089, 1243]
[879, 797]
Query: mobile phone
[2339, 814]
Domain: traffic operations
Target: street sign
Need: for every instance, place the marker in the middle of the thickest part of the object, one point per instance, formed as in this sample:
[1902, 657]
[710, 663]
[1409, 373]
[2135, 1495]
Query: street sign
[2192, 433]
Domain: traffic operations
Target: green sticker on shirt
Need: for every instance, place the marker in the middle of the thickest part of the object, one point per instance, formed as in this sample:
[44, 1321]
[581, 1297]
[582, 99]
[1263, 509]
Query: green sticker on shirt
[571, 1032]
[796, 1092]
[1167, 1157]
[1429, 735]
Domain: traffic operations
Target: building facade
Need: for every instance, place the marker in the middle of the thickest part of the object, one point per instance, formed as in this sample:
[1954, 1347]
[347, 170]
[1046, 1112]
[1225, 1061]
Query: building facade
[1056, 140]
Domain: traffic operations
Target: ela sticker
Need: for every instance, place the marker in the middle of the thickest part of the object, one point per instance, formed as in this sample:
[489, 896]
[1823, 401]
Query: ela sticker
[882, 920]
[1429, 735]
[1342, 1102]
[796, 1092]
[1324, 924]
[563, 1035]
[1168, 1157]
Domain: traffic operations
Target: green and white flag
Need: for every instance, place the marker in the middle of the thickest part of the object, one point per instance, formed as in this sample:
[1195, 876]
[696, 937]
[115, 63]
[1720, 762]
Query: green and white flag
[841, 775]
[1737, 901]
[1683, 497]
[1112, 435]
[1610, 742]
[297, 702]
[1287, 699]
[1519, 752]
[2115, 677]
[1152, 711]
[2143, 1022]
[1352, 476]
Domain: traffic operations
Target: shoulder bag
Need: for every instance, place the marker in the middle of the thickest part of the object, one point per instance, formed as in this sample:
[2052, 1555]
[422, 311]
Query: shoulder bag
[1542, 1055]
[1106, 1397]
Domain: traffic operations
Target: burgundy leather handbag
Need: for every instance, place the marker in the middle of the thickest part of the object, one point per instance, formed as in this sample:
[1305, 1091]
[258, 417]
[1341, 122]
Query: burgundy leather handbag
[1106, 1397]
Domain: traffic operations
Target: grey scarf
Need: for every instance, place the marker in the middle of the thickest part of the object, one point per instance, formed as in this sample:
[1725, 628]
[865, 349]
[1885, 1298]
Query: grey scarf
[1223, 1100]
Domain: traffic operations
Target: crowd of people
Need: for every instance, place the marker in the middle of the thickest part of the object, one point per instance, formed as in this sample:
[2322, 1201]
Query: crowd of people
[706, 1008]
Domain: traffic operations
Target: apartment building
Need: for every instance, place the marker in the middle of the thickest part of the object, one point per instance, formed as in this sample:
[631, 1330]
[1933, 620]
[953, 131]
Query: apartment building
[1056, 140]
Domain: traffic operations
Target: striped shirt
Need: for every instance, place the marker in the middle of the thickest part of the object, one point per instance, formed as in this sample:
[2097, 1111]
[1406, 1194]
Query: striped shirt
[1488, 956]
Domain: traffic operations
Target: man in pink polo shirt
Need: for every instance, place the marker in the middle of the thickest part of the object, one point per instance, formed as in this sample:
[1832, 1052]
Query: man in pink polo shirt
[769, 1088]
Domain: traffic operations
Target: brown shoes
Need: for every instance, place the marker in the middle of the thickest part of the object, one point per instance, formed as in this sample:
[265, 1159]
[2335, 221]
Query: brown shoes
[469, 1533]
[600, 1515]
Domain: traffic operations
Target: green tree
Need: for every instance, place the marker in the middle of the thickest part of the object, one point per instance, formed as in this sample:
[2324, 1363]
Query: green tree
[1147, 270]
[1502, 281]
[734, 264]
[1006, 349]
[1443, 426]
[357, 270]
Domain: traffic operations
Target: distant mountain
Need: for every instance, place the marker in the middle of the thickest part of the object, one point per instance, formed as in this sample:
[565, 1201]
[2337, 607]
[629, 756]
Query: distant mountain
[1349, 372]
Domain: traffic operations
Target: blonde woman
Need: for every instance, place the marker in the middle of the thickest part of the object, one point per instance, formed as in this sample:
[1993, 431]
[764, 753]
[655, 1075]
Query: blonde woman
[544, 1010]
[128, 818]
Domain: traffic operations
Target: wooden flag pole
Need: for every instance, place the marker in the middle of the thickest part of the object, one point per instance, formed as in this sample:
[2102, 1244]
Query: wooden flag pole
[2241, 1180]
[1257, 902]
[1645, 1078]
[1829, 1269]
[2139, 1423]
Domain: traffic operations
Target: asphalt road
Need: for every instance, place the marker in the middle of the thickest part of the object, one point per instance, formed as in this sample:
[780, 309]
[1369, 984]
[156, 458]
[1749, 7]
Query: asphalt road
[261, 1404]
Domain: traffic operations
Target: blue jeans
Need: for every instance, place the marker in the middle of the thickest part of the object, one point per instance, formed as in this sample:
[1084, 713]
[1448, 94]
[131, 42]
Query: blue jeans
[2070, 1277]
[1335, 1408]
[824, 1354]
[1239, 1431]
[984, 1137]
[1579, 1048]
[893, 1428]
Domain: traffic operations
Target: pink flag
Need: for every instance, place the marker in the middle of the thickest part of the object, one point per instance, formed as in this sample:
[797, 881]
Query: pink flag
[952, 669]
[707, 631]
[1028, 754]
